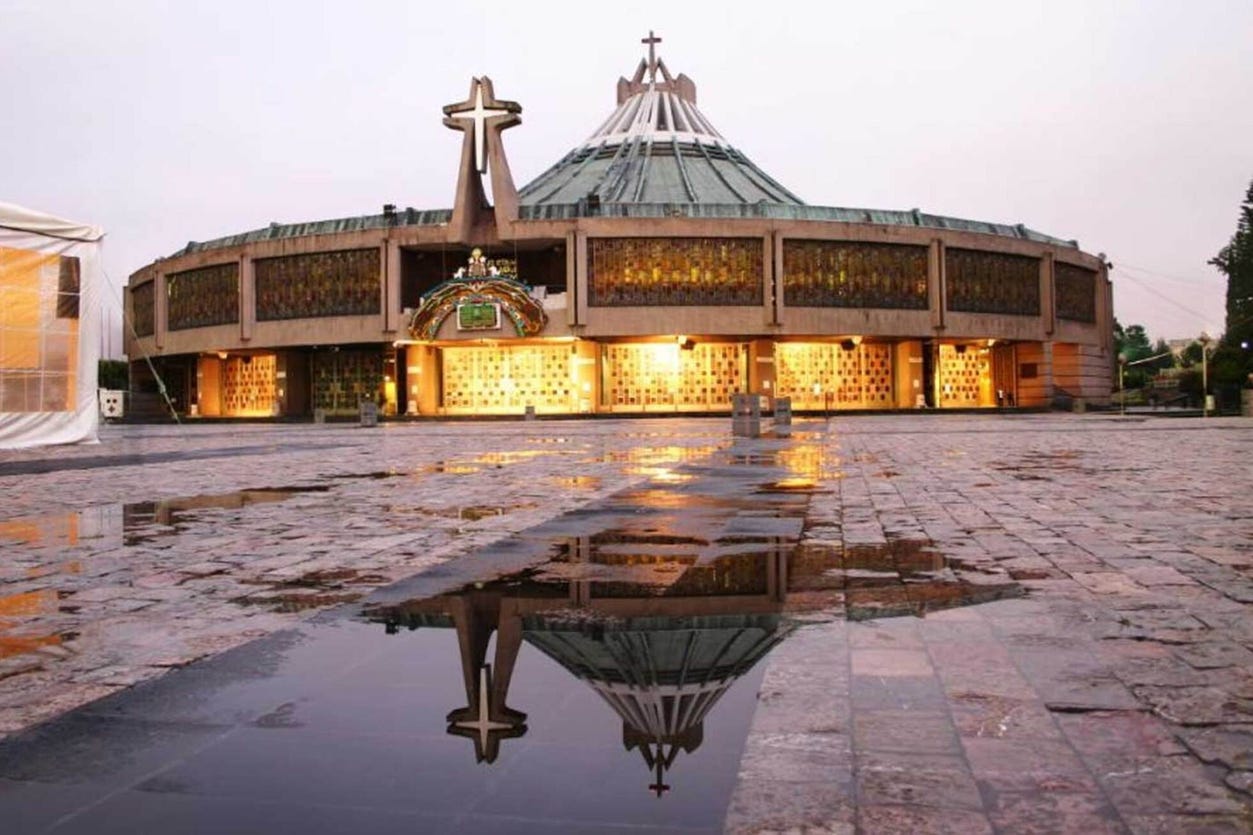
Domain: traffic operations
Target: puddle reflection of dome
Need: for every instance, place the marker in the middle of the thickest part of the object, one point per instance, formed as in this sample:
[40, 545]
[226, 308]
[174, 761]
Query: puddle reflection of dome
[661, 676]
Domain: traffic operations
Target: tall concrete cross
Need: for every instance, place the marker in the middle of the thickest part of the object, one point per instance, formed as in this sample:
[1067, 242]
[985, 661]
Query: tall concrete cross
[473, 112]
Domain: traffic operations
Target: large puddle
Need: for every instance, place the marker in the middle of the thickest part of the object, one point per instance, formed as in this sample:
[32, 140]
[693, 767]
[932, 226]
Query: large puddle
[662, 604]
[599, 670]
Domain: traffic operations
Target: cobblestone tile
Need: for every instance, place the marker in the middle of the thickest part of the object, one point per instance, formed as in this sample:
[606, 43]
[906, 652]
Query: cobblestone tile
[933, 780]
[922, 820]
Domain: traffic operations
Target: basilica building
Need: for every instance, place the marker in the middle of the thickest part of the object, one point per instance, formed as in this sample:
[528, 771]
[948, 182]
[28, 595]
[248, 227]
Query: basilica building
[654, 268]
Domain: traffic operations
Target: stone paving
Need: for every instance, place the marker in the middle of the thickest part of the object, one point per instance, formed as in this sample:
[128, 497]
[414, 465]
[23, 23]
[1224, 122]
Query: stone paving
[1117, 696]
[162, 545]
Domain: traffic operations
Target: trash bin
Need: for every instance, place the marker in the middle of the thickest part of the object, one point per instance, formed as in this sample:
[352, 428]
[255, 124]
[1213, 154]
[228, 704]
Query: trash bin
[746, 415]
[783, 416]
[369, 411]
[530, 412]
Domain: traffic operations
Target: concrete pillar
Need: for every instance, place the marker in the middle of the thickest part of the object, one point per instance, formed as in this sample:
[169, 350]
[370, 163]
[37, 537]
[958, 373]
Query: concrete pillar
[586, 375]
[1105, 313]
[936, 290]
[209, 385]
[907, 372]
[774, 277]
[390, 257]
[1048, 296]
[161, 311]
[761, 367]
[580, 278]
[247, 298]
[572, 290]
[422, 366]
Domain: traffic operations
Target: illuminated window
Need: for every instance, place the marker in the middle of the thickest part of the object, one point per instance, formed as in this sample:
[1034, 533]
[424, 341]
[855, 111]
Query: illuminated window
[625, 272]
[854, 274]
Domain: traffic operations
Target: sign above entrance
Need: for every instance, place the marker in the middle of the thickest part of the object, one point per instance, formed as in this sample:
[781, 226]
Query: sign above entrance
[478, 316]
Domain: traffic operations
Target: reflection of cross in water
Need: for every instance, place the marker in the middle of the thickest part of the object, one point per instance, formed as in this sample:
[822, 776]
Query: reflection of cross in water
[657, 758]
[483, 724]
[660, 788]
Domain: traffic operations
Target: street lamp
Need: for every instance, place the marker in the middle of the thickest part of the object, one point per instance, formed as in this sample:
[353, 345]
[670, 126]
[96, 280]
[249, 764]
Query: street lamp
[1122, 396]
[1204, 339]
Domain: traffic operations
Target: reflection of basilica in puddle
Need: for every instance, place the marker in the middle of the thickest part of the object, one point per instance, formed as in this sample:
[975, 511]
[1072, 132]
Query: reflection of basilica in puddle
[659, 641]
[660, 633]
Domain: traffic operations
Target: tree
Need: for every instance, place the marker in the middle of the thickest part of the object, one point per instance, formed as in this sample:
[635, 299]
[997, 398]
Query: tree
[1132, 341]
[1165, 359]
[1235, 261]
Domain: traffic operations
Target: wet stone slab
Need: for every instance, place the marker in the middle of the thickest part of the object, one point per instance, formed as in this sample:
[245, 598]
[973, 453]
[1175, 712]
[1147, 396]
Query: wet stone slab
[956, 624]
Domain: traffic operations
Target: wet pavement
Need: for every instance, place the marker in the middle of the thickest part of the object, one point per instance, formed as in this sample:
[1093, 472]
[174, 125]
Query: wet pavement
[880, 624]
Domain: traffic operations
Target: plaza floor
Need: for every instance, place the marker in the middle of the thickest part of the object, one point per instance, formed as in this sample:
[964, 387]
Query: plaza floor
[1001, 623]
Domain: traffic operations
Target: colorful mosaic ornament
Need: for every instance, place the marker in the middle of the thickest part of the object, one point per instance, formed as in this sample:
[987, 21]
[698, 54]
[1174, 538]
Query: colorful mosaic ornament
[479, 284]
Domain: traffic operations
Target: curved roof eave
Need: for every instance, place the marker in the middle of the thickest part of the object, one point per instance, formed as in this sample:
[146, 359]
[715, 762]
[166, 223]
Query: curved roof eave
[582, 209]
[279, 231]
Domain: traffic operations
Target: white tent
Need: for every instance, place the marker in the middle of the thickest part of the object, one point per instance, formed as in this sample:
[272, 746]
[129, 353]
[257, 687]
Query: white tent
[51, 289]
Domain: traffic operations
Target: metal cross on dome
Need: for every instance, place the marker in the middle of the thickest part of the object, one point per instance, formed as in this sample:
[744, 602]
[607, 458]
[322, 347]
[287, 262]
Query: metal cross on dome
[652, 41]
[473, 114]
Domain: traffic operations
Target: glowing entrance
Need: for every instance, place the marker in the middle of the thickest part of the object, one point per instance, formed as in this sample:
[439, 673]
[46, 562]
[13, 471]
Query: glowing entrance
[965, 379]
[673, 376]
[845, 375]
[505, 379]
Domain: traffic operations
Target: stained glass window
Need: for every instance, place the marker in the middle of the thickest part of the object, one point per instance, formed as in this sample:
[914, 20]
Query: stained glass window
[626, 272]
[1076, 292]
[992, 282]
[143, 308]
[854, 274]
[203, 297]
[342, 283]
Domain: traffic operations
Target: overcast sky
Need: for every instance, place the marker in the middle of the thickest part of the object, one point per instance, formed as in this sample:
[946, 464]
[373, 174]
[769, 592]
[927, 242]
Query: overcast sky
[1125, 125]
